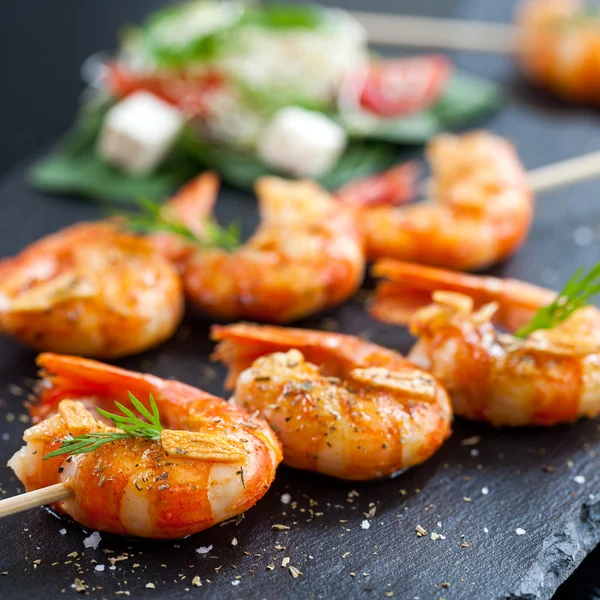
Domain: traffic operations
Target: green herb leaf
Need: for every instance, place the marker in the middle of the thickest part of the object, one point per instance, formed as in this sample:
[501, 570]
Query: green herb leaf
[131, 426]
[576, 294]
[152, 218]
[465, 99]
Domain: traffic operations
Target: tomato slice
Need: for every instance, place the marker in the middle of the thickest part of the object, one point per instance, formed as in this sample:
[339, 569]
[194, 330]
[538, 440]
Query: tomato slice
[401, 86]
[188, 93]
[395, 186]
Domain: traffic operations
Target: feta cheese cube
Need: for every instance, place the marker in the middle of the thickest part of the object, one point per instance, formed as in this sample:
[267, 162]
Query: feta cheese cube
[301, 142]
[139, 132]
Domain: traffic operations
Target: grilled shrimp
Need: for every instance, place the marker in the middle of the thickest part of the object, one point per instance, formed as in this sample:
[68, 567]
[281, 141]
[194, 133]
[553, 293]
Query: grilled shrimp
[481, 211]
[551, 376]
[90, 289]
[213, 461]
[340, 406]
[306, 256]
[559, 48]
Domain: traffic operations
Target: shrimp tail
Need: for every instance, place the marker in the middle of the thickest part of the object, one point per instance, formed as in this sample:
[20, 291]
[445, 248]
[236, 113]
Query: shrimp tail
[409, 287]
[242, 343]
[396, 186]
[196, 200]
[76, 377]
[190, 206]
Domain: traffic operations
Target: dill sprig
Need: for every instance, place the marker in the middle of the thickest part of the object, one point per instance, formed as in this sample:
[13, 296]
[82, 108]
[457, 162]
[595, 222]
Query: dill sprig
[131, 426]
[576, 294]
[153, 218]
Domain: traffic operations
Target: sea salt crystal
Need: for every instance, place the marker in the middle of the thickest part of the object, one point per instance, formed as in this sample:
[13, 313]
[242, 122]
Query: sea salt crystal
[235, 582]
[580, 479]
[365, 524]
[520, 531]
[474, 452]
[204, 549]
[286, 498]
[62, 531]
[93, 540]
[485, 491]
[486, 530]
[99, 568]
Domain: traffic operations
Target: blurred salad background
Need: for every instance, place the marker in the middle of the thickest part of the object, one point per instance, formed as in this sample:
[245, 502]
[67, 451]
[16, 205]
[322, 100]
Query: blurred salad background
[244, 89]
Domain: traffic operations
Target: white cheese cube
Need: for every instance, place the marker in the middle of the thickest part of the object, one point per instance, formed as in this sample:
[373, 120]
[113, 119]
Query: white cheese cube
[139, 132]
[301, 142]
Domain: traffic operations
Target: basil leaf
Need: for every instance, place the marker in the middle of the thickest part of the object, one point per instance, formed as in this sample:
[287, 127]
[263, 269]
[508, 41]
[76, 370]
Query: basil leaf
[73, 167]
[465, 99]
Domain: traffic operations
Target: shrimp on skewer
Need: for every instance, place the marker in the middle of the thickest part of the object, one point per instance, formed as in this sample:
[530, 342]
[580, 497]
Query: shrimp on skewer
[340, 406]
[213, 461]
[551, 376]
[481, 211]
[559, 47]
[307, 255]
[90, 289]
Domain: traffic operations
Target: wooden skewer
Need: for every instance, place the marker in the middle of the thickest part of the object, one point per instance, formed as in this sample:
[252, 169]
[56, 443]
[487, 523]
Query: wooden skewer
[22, 502]
[566, 172]
[556, 175]
[445, 34]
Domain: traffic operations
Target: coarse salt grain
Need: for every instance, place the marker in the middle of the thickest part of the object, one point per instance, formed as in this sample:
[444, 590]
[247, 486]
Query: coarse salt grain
[62, 531]
[204, 549]
[520, 531]
[485, 491]
[286, 498]
[235, 582]
[486, 530]
[474, 452]
[580, 479]
[99, 568]
[365, 524]
[93, 540]
[592, 496]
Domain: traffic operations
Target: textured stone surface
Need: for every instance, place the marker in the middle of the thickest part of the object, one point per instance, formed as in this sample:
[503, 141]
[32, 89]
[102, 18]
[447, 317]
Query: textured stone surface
[338, 558]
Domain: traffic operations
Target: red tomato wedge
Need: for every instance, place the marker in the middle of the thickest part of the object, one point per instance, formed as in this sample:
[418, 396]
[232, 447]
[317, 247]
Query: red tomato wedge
[186, 92]
[401, 86]
[394, 186]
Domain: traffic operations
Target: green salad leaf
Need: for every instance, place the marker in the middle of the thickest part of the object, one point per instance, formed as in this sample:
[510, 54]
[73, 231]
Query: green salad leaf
[73, 167]
[282, 16]
[242, 170]
[465, 99]
[203, 30]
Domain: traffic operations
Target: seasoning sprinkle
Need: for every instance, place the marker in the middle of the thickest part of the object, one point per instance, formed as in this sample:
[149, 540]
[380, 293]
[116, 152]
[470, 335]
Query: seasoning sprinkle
[295, 572]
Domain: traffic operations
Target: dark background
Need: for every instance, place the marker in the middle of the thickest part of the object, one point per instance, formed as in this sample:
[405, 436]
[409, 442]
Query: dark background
[42, 45]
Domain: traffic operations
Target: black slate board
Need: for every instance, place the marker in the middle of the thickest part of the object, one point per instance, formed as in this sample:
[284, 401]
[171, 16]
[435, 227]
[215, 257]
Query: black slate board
[326, 542]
